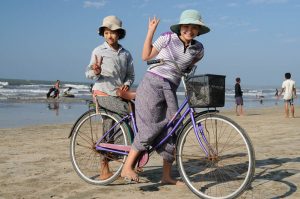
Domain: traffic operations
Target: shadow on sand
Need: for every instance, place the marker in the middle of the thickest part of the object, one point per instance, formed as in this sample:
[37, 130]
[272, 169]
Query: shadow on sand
[270, 180]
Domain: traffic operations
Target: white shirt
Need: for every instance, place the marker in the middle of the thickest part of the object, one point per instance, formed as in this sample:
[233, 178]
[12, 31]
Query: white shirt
[116, 69]
[288, 86]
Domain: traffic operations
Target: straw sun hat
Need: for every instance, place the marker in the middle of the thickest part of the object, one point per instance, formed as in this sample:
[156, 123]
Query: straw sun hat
[190, 17]
[112, 23]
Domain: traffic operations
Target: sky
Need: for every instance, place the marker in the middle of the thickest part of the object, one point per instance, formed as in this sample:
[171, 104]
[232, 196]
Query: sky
[256, 40]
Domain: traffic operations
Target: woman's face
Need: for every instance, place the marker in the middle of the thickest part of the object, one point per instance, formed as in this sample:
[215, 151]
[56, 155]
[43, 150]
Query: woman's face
[188, 32]
[111, 36]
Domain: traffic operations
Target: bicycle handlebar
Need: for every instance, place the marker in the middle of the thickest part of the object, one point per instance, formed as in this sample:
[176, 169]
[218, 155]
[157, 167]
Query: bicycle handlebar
[154, 61]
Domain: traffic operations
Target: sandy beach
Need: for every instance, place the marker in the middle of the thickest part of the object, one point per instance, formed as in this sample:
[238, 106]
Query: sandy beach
[35, 163]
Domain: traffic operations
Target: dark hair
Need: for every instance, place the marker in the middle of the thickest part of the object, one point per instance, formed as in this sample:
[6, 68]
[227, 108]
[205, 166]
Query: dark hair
[287, 75]
[121, 32]
[237, 79]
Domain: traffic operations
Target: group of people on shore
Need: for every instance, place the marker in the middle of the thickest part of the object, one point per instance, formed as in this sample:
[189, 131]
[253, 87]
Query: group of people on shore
[54, 91]
[288, 89]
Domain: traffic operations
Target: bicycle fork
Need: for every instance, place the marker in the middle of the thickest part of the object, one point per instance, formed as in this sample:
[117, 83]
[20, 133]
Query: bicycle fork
[202, 140]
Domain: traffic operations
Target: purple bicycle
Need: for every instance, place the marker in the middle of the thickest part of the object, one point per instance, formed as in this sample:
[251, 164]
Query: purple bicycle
[214, 155]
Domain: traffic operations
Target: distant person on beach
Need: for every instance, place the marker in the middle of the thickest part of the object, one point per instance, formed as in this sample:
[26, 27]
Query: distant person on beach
[54, 90]
[289, 89]
[276, 92]
[238, 97]
[276, 95]
[67, 92]
[156, 101]
[111, 65]
[91, 88]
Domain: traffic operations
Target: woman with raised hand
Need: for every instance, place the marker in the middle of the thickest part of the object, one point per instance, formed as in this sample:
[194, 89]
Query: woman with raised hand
[156, 101]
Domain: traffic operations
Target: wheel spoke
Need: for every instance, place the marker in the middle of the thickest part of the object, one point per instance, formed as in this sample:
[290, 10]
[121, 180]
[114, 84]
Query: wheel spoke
[226, 172]
[87, 161]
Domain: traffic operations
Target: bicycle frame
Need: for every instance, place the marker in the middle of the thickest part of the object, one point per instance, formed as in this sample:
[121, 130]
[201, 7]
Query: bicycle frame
[214, 154]
[188, 111]
[198, 129]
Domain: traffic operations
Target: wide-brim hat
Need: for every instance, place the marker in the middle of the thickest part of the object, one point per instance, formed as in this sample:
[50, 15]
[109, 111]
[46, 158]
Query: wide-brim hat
[112, 23]
[190, 17]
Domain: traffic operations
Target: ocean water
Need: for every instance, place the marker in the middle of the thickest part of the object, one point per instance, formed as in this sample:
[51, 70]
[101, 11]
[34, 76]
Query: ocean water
[29, 90]
[24, 103]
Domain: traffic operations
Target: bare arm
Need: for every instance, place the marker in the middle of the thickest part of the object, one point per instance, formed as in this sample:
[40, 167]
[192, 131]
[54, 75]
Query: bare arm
[279, 95]
[149, 51]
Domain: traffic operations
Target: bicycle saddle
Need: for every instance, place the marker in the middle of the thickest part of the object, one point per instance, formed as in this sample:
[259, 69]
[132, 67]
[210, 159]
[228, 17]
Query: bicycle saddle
[127, 95]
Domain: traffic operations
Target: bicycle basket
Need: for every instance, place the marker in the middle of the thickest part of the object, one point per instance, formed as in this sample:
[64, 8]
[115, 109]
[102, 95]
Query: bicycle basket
[205, 91]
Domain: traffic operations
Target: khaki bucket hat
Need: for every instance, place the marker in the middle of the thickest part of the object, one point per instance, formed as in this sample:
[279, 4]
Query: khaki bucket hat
[112, 23]
[190, 17]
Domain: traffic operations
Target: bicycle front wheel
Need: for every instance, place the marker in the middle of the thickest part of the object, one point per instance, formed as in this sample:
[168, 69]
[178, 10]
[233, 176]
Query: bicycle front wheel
[224, 166]
[93, 166]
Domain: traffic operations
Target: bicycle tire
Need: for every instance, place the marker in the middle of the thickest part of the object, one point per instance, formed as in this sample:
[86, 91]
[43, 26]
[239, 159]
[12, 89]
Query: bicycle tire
[89, 112]
[86, 160]
[224, 173]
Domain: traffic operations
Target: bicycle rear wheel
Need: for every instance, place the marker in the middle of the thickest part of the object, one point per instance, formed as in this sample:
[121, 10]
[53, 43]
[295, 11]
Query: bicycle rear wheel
[86, 160]
[228, 168]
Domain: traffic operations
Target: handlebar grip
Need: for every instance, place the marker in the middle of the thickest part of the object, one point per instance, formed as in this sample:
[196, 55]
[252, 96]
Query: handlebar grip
[155, 61]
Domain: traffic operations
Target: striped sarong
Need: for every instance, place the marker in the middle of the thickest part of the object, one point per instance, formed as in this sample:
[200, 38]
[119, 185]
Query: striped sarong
[156, 103]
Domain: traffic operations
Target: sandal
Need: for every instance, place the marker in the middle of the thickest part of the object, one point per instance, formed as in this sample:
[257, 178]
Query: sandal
[132, 179]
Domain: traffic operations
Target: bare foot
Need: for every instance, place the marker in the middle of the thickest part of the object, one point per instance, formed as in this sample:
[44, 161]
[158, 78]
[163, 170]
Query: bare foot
[105, 176]
[104, 171]
[172, 182]
[129, 175]
[139, 170]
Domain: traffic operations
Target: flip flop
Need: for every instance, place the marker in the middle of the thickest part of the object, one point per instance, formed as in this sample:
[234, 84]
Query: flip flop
[130, 180]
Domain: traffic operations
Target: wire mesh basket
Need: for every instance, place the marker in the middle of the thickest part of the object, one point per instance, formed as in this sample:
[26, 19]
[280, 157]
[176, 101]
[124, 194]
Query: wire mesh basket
[205, 91]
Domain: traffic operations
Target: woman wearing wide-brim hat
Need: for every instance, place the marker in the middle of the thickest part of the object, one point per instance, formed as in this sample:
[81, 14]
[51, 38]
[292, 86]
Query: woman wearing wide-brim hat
[156, 100]
[111, 65]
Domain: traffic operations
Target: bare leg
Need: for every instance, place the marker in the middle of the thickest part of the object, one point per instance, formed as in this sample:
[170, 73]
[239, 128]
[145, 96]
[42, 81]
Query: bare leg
[104, 170]
[241, 110]
[128, 169]
[286, 109]
[166, 178]
[236, 110]
[293, 111]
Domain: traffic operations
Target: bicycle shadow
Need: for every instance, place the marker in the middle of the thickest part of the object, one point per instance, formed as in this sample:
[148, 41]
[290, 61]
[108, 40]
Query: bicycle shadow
[268, 174]
[270, 181]
[153, 175]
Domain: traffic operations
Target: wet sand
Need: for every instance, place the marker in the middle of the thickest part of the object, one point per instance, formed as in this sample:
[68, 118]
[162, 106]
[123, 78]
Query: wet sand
[35, 163]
